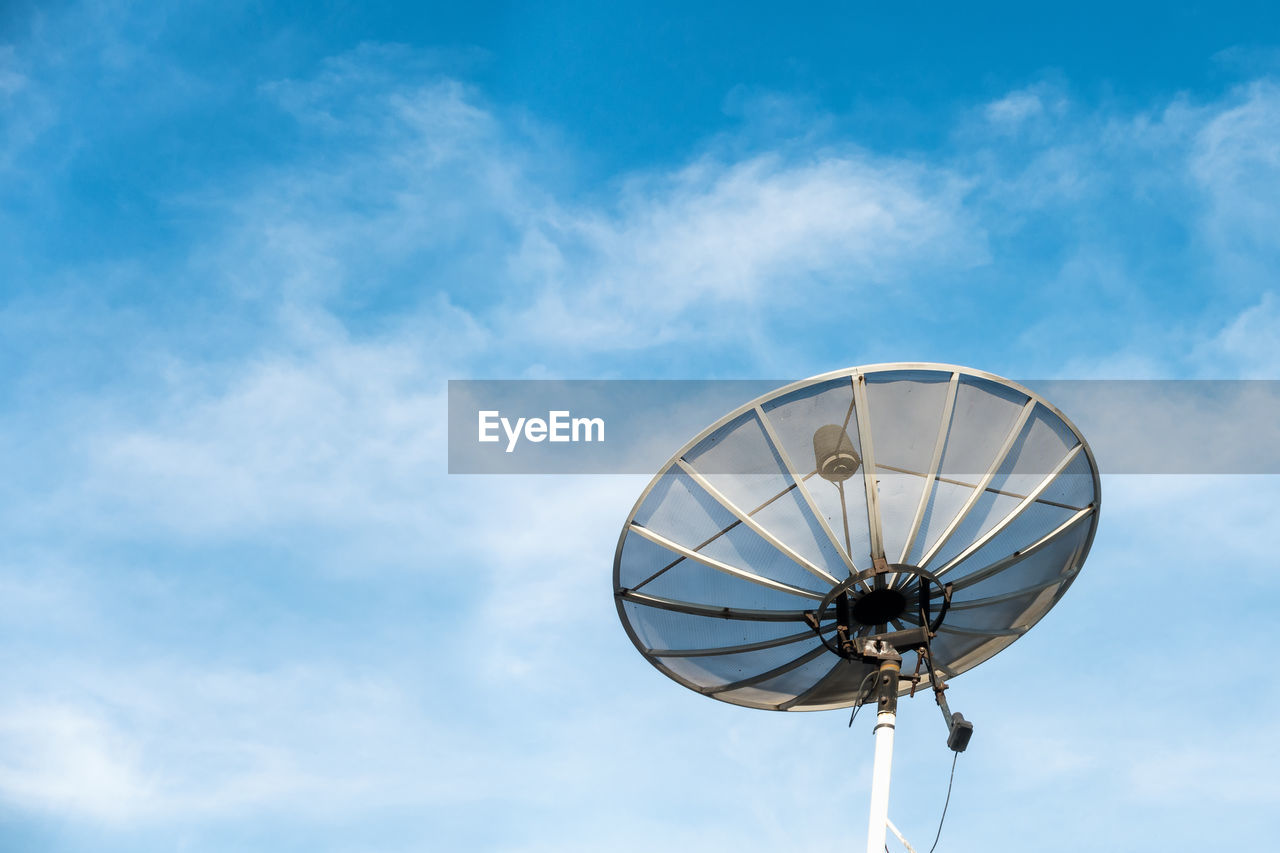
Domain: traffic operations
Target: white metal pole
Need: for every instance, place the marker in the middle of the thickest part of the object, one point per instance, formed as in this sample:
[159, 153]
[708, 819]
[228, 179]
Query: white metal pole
[882, 765]
[880, 773]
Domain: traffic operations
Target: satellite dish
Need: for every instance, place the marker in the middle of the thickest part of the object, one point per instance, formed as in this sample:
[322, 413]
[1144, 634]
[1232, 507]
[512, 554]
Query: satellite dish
[791, 551]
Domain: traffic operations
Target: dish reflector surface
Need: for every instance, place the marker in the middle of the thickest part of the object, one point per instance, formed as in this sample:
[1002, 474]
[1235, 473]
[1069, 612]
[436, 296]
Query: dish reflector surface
[723, 566]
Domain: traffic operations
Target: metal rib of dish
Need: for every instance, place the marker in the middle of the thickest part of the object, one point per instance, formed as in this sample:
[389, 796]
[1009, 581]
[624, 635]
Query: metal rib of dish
[723, 563]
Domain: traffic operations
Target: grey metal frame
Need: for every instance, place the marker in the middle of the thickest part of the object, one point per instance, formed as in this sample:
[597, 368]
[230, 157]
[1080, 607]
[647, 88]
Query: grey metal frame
[806, 634]
[712, 563]
[759, 678]
[772, 435]
[711, 610]
[1013, 514]
[747, 519]
[948, 409]
[980, 653]
[835, 672]
[996, 464]
[863, 412]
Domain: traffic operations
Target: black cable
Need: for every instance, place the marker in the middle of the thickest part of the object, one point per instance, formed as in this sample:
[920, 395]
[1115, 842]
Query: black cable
[947, 803]
[858, 706]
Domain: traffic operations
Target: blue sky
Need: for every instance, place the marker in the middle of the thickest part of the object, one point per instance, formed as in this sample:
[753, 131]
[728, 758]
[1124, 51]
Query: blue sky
[243, 247]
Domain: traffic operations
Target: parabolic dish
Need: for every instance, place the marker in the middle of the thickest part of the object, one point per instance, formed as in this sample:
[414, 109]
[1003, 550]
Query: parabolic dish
[911, 479]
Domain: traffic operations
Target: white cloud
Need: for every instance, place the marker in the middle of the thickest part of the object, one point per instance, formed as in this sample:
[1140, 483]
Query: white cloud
[700, 250]
[349, 436]
[1015, 107]
[1248, 346]
[438, 191]
[1237, 163]
[1230, 772]
[164, 742]
[11, 80]
[58, 758]
[429, 202]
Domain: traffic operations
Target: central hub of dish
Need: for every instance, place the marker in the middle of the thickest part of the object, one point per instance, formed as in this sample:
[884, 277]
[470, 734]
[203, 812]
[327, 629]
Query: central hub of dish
[879, 606]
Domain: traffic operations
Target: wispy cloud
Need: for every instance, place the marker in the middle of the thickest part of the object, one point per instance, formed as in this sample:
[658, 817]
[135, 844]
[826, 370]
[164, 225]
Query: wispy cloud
[140, 745]
[703, 250]
[1237, 162]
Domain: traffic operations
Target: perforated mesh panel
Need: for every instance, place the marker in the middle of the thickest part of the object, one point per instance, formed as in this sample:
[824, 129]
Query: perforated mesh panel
[946, 500]
[796, 416]
[740, 546]
[987, 511]
[719, 670]
[741, 534]
[699, 584]
[681, 511]
[667, 629]
[847, 519]
[790, 520]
